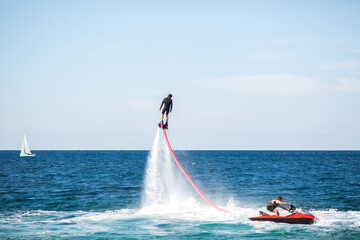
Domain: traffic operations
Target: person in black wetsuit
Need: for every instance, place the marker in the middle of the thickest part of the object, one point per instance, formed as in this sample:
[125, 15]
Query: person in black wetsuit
[273, 204]
[167, 102]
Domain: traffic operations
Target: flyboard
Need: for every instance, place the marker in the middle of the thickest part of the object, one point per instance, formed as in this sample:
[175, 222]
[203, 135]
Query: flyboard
[165, 127]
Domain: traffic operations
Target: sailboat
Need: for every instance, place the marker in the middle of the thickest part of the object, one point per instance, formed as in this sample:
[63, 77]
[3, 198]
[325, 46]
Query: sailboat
[25, 150]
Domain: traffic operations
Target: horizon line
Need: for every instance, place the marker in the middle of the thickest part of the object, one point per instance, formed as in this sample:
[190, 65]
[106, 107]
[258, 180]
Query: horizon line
[309, 150]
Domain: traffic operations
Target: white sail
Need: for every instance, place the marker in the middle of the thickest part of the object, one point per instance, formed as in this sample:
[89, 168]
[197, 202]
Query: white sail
[22, 150]
[25, 150]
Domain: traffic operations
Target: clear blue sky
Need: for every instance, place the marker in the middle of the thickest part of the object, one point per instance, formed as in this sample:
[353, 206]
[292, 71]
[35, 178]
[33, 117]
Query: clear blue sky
[243, 74]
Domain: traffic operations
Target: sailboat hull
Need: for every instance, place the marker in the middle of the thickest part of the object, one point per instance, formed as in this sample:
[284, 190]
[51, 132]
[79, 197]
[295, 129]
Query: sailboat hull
[28, 155]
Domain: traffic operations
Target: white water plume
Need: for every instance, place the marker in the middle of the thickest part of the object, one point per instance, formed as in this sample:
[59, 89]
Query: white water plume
[165, 189]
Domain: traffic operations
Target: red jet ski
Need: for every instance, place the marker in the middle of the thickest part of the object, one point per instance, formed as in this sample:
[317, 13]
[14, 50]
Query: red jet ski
[293, 218]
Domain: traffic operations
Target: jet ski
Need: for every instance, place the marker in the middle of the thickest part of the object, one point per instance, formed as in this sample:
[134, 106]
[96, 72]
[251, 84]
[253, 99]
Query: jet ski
[296, 217]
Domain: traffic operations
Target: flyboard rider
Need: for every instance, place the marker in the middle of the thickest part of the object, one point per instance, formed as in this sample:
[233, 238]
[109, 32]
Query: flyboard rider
[167, 103]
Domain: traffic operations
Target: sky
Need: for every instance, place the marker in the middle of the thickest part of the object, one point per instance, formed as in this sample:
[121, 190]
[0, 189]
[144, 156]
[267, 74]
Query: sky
[244, 75]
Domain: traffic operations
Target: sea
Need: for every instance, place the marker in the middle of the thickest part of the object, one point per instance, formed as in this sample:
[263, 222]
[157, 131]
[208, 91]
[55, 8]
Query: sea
[144, 195]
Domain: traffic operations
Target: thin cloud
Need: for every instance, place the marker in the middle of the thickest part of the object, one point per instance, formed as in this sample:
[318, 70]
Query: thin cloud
[275, 42]
[348, 85]
[268, 84]
[296, 41]
[347, 65]
[354, 50]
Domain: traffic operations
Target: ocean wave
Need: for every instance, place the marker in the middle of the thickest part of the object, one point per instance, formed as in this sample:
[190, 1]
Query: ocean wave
[157, 219]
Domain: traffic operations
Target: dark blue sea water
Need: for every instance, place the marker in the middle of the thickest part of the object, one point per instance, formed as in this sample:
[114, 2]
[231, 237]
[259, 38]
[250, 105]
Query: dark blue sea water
[122, 194]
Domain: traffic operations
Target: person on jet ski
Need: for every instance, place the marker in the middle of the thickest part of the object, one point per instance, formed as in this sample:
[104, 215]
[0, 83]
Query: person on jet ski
[167, 102]
[273, 204]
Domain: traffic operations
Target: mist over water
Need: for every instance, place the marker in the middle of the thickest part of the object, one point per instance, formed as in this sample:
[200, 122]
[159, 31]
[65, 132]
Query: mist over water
[165, 188]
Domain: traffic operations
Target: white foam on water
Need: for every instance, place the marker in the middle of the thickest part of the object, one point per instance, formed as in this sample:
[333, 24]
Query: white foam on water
[326, 218]
[335, 218]
[144, 220]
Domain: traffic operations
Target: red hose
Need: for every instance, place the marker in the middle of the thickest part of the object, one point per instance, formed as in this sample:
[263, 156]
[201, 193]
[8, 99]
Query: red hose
[188, 178]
